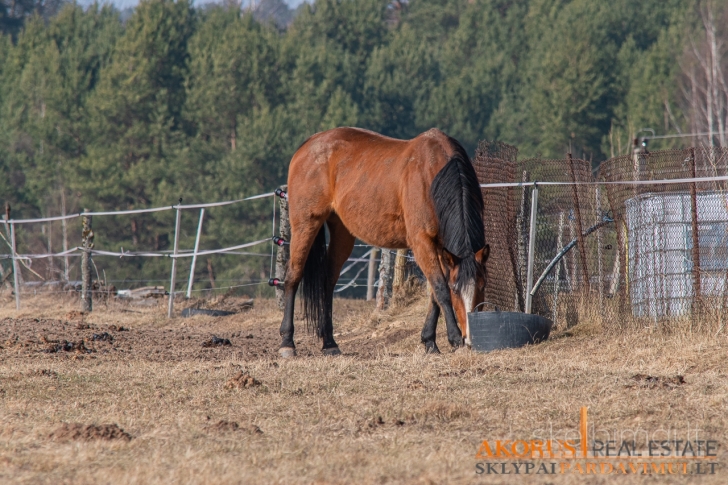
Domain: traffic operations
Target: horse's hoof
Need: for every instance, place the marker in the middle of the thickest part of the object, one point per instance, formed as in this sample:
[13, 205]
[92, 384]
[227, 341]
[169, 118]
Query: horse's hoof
[461, 349]
[431, 348]
[331, 351]
[456, 344]
[287, 352]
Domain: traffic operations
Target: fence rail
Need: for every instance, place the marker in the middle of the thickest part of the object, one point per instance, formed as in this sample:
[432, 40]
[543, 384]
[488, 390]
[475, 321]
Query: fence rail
[175, 254]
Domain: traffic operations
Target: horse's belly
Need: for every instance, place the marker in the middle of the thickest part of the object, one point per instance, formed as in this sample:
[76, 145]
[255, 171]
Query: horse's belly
[374, 221]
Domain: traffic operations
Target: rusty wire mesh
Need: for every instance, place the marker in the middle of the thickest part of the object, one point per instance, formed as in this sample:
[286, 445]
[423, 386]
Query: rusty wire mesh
[672, 237]
[576, 214]
[496, 162]
[562, 211]
[651, 251]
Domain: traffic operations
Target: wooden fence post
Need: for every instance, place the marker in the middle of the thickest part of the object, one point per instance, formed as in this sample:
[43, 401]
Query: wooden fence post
[87, 243]
[16, 282]
[64, 229]
[283, 254]
[385, 279]
[371, 274]
[400, 264]
[695, 236]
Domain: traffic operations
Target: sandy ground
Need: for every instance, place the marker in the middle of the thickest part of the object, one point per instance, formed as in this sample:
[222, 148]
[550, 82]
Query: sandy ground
[125, 395]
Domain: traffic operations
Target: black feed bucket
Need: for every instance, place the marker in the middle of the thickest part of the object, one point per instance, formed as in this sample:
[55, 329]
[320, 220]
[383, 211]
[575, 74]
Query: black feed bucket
[503, 330]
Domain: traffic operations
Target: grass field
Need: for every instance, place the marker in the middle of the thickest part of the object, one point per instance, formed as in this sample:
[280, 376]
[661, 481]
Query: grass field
[382, 413]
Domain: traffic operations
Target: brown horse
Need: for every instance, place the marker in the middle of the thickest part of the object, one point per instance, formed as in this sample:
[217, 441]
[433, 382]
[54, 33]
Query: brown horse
[421, 194]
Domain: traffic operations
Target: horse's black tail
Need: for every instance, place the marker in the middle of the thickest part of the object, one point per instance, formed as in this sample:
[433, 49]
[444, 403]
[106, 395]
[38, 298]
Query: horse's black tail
[316, 301]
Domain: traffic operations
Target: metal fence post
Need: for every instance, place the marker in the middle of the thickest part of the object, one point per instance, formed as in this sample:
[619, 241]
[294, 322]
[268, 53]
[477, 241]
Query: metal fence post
[531, 244]
[520, 274]
[557, 270]
[88, 244]
[600, 268]
[16, 285]
[194, 253]
[579, 225]
[170, 307]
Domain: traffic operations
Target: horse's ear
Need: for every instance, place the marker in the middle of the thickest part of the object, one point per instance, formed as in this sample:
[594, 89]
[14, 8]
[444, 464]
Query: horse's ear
[449, 259]
[482, 256]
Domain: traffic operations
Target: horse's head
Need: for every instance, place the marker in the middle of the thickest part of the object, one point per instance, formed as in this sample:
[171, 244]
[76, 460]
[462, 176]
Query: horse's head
[466, 278]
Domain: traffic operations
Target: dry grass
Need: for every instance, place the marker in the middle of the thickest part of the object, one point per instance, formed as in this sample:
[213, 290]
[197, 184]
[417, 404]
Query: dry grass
[382, 413]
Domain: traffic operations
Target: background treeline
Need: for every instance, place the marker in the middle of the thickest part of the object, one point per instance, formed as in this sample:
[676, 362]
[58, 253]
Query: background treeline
[209, 103]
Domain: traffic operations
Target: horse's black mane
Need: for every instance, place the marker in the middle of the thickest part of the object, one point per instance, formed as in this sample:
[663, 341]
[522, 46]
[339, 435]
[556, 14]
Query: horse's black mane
[458, 203]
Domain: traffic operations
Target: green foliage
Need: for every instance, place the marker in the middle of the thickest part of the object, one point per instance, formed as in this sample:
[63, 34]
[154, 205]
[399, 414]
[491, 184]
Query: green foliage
[210, 104]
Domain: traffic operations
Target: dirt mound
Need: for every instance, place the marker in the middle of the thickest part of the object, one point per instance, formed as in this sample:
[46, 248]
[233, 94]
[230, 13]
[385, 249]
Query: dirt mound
[104, 337]
[15, 342]
[216, 342]
[43, 373]
[66, 346]
[74, 315]
[242, 381]
[223, 426]
[651, 382]
[90, 432]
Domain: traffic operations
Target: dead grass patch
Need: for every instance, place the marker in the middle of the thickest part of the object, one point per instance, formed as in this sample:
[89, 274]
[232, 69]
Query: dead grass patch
[224, 426]
[384, 412]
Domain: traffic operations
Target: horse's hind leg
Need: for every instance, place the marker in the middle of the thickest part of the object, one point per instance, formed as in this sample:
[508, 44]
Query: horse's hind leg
[430, 329]
[302, 238]
[341, 242]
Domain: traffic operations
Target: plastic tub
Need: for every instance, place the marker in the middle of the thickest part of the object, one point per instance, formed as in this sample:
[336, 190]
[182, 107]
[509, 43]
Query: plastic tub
[504, 330]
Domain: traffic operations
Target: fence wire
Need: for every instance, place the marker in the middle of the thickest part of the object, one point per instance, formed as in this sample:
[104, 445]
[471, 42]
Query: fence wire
[605, 247]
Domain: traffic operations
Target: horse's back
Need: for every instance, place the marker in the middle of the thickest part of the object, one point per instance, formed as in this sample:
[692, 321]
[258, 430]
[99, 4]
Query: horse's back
[342, 151]
[367, 179]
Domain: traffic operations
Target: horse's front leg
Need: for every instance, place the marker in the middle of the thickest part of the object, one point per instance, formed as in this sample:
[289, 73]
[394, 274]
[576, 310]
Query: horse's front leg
[426, 256]
[429, 331]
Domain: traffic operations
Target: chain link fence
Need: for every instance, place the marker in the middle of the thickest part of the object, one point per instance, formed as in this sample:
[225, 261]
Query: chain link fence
[624, 242]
